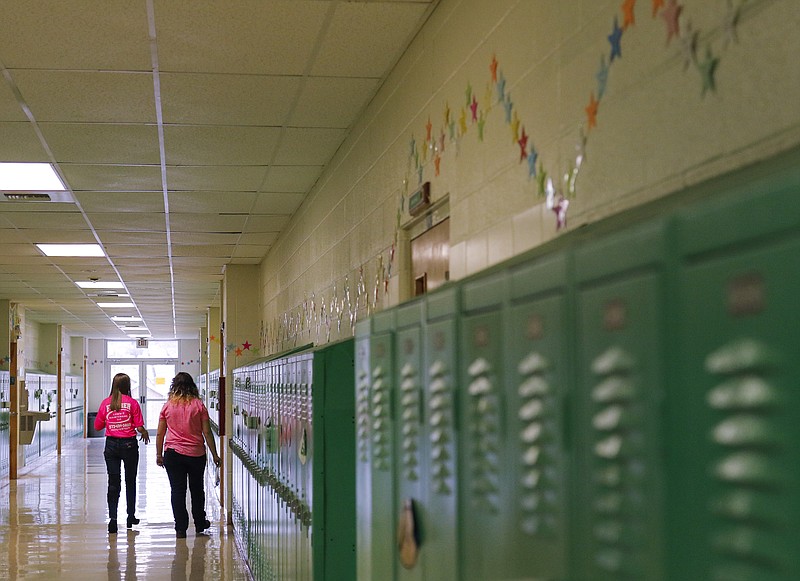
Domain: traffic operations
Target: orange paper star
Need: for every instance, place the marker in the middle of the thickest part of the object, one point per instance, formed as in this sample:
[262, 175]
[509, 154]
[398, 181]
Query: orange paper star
[428, 128]
[238, 351]
[628, 17]
[591, 112]
[670, 14]
[493, 68]
[657, 5]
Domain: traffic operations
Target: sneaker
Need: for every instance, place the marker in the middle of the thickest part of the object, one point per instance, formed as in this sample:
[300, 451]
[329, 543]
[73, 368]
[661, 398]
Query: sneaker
[202, 526]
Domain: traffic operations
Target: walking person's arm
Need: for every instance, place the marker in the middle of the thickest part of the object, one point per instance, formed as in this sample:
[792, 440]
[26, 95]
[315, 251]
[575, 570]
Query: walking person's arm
[162, 431]
[210, 441]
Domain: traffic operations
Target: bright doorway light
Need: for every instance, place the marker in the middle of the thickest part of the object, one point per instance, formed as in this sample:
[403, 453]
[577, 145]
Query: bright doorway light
[71, 249]
[116, 305]
[99, 284]
[29, 177]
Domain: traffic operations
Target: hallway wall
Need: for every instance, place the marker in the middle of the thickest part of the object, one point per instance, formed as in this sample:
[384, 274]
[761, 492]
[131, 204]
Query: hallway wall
[669, 110]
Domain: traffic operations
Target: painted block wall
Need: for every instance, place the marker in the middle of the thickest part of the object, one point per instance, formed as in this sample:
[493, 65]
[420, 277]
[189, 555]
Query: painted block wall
[658, 130]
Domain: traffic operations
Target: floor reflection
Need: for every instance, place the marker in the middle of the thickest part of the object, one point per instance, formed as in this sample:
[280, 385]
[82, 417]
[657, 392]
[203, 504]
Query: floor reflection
[55, 525]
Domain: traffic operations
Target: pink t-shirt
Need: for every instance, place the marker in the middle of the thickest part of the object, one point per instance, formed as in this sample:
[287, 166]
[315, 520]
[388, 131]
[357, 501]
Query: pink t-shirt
[121, 423]
[185, 426]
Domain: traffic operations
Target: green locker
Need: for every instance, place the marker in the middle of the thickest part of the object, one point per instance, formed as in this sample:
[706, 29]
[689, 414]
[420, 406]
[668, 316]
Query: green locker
[618, 498]
[409, 468]
[739, 515]
[334, 492]
[439, 516]
[484, 505]
[363, 452]
[537, 385]
[382, 418]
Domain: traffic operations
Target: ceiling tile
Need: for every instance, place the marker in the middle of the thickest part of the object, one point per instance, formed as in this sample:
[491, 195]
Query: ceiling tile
[212, 202]
[220, 145]
[79, 34]
[277, 203]
[47, 220]
[384, 32]
[242, 36]
[89, 96]
[288, 179]
[206, 223]
[203, 238]
[259, 224]
[98, 202]
[215, 178]
[126, 222]
[332, 101]
[225, 99]
[117, 178]
[308, 145]
[19, 142]
[102, 143]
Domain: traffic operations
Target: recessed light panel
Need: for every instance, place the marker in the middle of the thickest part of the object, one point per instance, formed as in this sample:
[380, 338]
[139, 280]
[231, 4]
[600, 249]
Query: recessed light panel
[99, 284]
[115, 305]
[132, 319]
[71, 249]
[29, 177]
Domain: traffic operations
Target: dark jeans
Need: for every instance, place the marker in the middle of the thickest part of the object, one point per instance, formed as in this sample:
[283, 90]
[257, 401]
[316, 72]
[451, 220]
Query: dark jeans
[121, 451]
[181, 468]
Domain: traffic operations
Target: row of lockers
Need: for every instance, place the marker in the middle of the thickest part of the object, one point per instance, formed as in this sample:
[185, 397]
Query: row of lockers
[5, 390]
[621, 404]
[293, 490]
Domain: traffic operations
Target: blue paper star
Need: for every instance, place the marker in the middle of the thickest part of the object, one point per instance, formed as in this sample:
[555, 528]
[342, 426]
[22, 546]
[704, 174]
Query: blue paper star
[413, 145]
[501, 88]
[602, 77]
[707, 69]
[509, 107]
[532, 157]
[614, 38]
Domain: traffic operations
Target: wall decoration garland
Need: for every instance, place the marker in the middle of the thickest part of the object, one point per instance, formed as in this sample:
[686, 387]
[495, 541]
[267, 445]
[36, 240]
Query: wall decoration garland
[557, 192]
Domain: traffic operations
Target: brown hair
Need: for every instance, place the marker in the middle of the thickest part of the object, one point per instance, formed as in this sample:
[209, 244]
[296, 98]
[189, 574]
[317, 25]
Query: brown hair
[183, 388]
[119, 386]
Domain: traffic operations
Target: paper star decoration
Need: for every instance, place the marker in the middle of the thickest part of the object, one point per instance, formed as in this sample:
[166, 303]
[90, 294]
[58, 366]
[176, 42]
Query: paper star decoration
[474, 108]
[602, 77]
[615, 39]
[688, 40]
[508, 105]
[670, 14]
[657, 5]
[493, 68]
[532, 157]
[481, 126]
[730, 22]
[468, 94]
[628, 17]
[523, 146]
[501, 88]
[246, 345]
[436, 164]
[462, 121]
[238, 352]
[591, 112]
[541, 180]
[515, 128]
[707, 69]
[428, 127]
[412, 146]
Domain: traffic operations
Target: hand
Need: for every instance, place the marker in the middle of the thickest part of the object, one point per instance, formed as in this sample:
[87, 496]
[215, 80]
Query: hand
[160, 460]
[217, 461]
[144, 437]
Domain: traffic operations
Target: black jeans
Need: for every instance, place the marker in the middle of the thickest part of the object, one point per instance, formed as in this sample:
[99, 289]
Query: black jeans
[121, 451]
[181, 468]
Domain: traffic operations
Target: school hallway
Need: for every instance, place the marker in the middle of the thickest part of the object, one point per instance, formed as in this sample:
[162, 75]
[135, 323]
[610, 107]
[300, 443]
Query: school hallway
[55, 524]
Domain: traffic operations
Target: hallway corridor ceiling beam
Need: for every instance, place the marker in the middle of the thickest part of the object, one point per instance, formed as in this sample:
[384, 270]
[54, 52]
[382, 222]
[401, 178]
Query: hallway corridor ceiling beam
[187, 134]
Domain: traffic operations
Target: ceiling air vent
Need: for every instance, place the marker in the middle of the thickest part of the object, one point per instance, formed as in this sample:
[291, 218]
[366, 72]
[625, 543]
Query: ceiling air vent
[22, 196]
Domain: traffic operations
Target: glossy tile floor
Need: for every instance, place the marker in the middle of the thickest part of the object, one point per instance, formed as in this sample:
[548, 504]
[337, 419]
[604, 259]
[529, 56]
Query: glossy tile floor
[54, 525]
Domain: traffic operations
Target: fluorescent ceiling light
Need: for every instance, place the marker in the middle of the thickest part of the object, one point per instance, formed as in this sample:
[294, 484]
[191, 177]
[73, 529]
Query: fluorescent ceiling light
[116, 305]
[99, 284]
[118, 318]
[139, 335]
[71, 249]
[29, 177]
[134, 329]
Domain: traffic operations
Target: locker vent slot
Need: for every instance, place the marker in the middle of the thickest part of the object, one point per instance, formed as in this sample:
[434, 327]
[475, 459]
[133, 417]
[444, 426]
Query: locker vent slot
[747, 467]
[619, 497]
[362, 415]
[381, 396]
[541, 473]
[410, 421]
[440, 419]
[484, 433]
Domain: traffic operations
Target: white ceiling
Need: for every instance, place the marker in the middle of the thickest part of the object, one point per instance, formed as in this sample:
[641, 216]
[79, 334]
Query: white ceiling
[188, 132]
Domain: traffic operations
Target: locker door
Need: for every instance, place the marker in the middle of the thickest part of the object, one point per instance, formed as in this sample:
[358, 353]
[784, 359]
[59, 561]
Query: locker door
[740, 330]
[618, 471]
[382, 418]
[484, 462]
[409, 467]
[618, 449]
[537, 384]
[363, 453]
[439, 515]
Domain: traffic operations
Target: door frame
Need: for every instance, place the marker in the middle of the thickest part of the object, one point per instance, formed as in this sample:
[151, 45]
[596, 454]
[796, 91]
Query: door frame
[150, 423]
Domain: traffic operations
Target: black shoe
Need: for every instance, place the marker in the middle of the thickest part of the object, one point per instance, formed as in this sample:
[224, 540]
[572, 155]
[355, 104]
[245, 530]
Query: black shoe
[112, 525]
[202, 526]
[180, 534]
[132, 520]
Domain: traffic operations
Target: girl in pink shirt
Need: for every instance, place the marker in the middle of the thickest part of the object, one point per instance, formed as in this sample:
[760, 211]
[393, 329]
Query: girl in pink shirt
[121, 416]
[183, 433]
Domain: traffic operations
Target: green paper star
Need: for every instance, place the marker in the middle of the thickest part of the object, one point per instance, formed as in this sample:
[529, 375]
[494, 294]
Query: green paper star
[707, 68]
[541, 179]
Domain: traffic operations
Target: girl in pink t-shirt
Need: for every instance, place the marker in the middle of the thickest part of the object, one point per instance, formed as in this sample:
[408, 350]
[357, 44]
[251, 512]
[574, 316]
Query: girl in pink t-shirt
[121, 416]
[183, 433]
